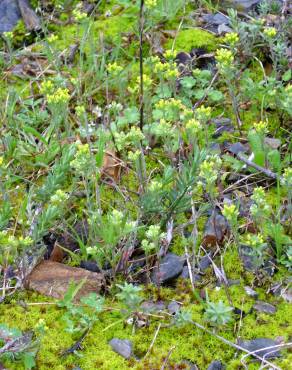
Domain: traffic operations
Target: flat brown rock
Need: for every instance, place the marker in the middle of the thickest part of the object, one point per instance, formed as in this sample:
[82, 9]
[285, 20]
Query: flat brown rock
[53, 278]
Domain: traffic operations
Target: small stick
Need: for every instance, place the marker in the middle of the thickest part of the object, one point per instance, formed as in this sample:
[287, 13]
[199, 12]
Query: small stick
[261, 169]
[153, 341]
[236, 346]
[141, 97]
[167, 358]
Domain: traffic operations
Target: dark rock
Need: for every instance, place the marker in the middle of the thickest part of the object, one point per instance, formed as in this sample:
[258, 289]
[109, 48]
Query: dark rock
[215, 147]
[223, 28]
[264, 307]
[187, 365]
[269, 266]
[9, 15]
[173, 307]
[233, 282]
[216, 19]
[90, 266]
[250, 292]
[272, 142]
[237, 148]
[222, 125]
[242, 5]
[249, 260]
[183, 58]
[185, 274]
[205, 262]
[258, 344]
[216, 229]
[122, 346]
[216, 365]
[150, 306]
[169, 268]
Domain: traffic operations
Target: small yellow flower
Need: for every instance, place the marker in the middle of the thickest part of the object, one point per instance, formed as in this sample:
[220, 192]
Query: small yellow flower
[1, 161]
[203, 113]
[80, 110]
[231, 38]
[114, 68]
[47, 87]
[261, 127]
[170, 54]
[194, 126]
[52, 38]
[79, 15]
[60, 96]
[8, 35]
[150, 4]
[270, 32]
[224, 57]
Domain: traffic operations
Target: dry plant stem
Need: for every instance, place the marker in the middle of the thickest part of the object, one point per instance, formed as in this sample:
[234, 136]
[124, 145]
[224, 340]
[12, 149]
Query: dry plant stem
[153, 341]
[199, 102]
[272, 348]
[141, 29]
[167, 358]
[236, 346]
[261, 169]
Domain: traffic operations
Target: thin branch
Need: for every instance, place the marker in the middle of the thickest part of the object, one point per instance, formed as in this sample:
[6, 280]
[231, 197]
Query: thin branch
[261, 169]
[141, 97]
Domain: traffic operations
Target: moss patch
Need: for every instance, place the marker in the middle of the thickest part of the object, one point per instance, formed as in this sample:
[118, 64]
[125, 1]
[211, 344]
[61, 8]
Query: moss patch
[193, 38]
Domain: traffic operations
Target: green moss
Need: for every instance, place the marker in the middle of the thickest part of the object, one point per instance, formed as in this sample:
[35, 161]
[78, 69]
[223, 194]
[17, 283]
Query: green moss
[189, 343]
[193, 38]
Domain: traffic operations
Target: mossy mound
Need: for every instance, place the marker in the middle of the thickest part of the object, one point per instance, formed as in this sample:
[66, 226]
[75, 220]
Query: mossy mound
[186, 40]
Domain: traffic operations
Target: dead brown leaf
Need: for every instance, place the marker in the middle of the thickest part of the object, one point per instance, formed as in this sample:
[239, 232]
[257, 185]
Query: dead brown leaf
[52, 279]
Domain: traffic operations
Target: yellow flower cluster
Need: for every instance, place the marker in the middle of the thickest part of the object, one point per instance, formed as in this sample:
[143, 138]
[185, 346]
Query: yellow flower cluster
[52, 38]
[114, 68]
[193, 126]
[168, 70]
[79, 15]
[8, 35]
[170, 103]
[59, 197]
[203, 113]
[287, 177]
[1, 161]
[224, 57]
[261, 127]
[47, 87]
[270, 32]
[230, 212]
[150, 3]
[134, 156]
[80, 110]
[170, 54]
[254, 240]
[60, 96]
[231, 38]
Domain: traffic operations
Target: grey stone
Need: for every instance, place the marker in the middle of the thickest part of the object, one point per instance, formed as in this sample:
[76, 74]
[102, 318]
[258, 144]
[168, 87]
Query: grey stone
[264, 307]
[216, 365]
[205, 262]
[272, 142]
[242, 4]
[222, 29]
[249, 260]
[9, 15]
[122, 346]
[173, 307]
[216, 19]
[170, 267]
[250, 292]
[185, 274]
[258, 344]
[150, 306]
[237, 148]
